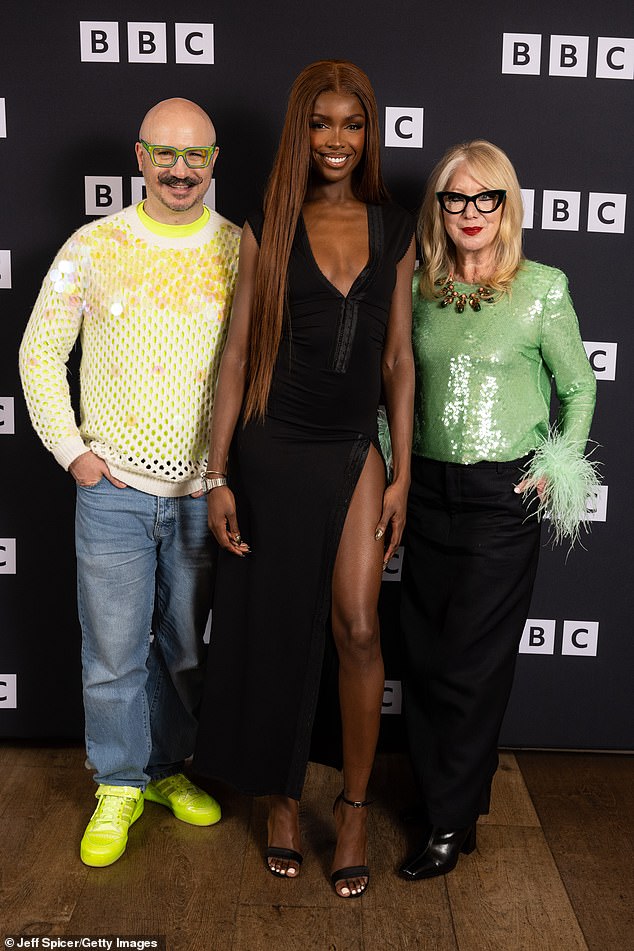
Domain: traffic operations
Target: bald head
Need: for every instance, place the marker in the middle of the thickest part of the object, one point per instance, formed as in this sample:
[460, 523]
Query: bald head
[175, 192]
[172, 120]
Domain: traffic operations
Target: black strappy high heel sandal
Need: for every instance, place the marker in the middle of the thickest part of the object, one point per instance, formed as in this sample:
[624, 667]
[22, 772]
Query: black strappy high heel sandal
[351, 871]
[290, 855]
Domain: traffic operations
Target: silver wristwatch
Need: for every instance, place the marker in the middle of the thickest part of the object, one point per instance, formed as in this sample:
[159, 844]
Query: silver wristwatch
[209, 484]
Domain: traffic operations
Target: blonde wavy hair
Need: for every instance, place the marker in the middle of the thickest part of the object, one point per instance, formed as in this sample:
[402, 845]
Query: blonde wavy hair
[490, 165]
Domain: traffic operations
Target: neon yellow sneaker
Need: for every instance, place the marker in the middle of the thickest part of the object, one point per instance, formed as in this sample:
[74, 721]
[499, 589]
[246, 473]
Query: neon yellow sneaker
[106, 834]
[189, 803]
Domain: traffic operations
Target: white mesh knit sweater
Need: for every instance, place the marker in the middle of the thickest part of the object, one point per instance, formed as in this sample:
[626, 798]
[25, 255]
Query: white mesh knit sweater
[151, 310]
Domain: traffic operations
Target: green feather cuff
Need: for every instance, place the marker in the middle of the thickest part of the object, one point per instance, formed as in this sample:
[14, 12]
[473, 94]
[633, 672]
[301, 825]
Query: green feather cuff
[571, 481]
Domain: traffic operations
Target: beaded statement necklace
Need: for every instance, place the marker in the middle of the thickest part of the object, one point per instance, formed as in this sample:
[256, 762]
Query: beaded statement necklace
[474, 299]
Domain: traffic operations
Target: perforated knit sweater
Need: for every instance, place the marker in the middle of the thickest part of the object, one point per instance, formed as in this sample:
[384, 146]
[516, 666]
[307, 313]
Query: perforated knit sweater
[150, 304]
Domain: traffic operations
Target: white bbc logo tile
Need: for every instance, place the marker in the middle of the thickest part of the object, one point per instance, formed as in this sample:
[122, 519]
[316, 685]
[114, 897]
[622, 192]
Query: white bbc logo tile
[7, 415]
[394, 566]
[615, 57]
[147, 42]
[568, 56]
[580, 638]
[103, 194]
[606, 212]
[521, 53]
[7, 556]
[207, 631]
[194, 43]
[137, 189]
[538, 636]
[99, 41]
[8, 691]
[404, 127]
[528, 201]
[5, 269]
[392, 697]
[602, 357]
[560, 210]
[597, 507]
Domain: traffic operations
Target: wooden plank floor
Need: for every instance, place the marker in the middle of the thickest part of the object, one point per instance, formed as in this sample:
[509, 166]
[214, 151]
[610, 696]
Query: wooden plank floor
[553, 868]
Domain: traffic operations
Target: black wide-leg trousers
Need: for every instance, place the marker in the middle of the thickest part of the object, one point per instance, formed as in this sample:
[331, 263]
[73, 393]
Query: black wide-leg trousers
[471, 553]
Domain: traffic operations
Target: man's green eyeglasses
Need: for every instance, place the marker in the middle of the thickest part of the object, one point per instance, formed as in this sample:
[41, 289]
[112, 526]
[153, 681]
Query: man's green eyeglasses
[164, 156]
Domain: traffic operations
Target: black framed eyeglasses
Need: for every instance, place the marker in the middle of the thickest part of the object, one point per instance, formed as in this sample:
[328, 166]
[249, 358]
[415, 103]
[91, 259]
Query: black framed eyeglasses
[165, 156]
[455, 203]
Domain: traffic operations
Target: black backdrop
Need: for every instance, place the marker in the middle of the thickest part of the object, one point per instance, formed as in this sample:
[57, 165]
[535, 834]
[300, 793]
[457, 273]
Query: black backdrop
[551, 84]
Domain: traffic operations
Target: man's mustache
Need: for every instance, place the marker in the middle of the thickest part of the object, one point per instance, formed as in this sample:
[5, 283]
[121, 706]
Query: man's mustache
[173, 180]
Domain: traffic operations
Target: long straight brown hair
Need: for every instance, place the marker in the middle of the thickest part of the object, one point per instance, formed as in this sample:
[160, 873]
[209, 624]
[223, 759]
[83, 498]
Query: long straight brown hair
[285, 194]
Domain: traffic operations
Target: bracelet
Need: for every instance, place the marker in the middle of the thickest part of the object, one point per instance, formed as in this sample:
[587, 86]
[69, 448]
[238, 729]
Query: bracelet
[209, 484]
[215, 472]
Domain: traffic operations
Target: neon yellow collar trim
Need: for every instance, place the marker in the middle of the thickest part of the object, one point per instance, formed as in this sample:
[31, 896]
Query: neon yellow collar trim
[172, 231]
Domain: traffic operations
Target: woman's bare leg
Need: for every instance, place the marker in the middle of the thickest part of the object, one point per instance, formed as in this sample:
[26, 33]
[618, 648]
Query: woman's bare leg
[355, 593]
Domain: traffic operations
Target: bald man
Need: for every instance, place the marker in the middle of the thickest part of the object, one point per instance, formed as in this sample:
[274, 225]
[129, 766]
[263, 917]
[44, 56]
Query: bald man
[148, 292]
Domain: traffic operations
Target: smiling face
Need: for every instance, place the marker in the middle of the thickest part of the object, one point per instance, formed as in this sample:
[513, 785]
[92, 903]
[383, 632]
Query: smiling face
[471, 231]
[337, 135]
[175, 195]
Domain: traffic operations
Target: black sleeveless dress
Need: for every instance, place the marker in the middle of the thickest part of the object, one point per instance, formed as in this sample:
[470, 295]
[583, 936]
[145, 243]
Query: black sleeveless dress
[293, 477]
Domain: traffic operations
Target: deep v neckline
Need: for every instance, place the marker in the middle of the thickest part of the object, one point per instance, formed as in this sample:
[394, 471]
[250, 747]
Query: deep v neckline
[361, 276]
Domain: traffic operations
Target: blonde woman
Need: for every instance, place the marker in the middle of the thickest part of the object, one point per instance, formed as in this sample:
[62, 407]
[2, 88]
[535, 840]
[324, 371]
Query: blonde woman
[491, 331]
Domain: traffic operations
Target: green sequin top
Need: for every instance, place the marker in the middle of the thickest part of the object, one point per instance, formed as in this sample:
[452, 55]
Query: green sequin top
[483, 379]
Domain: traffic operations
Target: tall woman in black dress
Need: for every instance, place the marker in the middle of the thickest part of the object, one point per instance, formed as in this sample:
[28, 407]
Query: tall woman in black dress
[321, 324]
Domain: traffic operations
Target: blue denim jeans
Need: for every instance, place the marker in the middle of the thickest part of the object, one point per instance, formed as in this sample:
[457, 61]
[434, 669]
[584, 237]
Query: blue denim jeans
[144, 567]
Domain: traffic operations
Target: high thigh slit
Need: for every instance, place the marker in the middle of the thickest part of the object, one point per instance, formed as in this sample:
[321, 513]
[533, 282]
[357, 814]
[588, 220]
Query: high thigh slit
[293, 475]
